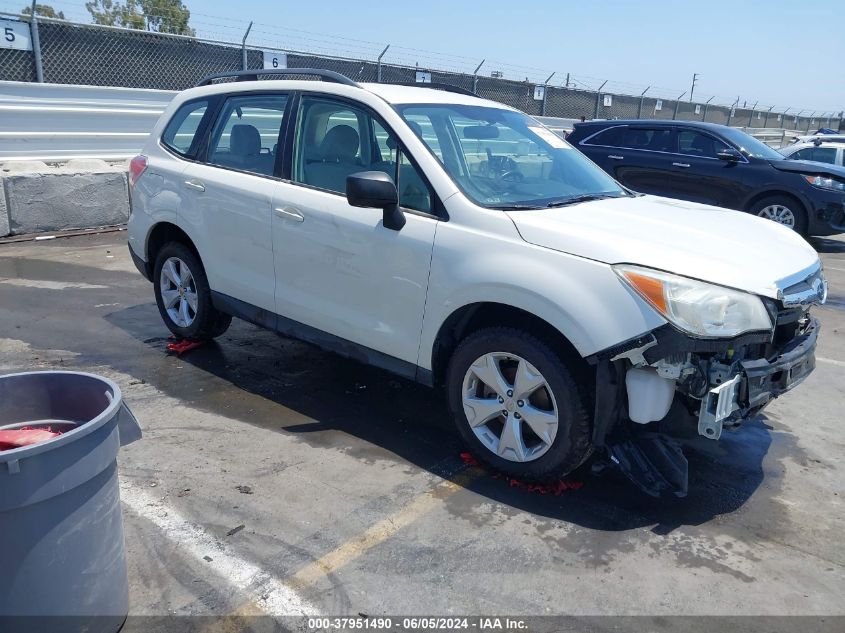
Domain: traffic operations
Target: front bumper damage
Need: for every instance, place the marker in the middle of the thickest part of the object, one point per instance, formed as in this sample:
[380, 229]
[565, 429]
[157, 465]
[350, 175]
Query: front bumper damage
[715, 384]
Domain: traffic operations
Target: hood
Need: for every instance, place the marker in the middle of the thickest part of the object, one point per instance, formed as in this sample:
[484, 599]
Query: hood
[809, 167]
[725, 247]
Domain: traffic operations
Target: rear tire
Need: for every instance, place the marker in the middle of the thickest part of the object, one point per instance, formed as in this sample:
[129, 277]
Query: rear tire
[783, 210]
[183, 295]
[518, 406]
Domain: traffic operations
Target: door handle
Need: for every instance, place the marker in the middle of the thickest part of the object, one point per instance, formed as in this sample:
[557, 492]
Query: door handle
[289, 214]
[616, 157]
[684, 165]
[194, 184]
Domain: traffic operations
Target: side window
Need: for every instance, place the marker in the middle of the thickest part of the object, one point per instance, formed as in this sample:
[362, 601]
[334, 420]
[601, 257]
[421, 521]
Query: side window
[611, 137]
[335, 140]
[180, 131]
[246, 134]
[697, 144]
[655, 140]
[818, 154]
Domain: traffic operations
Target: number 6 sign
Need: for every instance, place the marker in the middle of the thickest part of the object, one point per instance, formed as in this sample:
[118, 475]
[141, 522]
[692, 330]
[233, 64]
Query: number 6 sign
[15, 35]
[275, 60]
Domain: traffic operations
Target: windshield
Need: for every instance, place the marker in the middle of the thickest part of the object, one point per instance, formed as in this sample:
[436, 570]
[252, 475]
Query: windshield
[749, 145]
[506, 160]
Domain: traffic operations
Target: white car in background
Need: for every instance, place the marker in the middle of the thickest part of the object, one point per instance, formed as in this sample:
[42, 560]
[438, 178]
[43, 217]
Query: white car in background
[460, 243]
[820, 150]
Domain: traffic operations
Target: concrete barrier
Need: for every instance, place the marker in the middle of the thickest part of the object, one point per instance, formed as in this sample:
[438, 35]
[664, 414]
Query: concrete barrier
[75, 195]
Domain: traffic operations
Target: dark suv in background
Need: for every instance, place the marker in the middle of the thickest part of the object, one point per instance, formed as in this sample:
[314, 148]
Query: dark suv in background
[717, 165]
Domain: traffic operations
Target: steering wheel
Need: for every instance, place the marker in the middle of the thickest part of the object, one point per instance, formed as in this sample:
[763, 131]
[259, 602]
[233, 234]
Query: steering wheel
[511, 175]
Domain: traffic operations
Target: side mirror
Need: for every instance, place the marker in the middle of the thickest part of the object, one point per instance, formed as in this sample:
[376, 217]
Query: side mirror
[376, 190]
[729, 155]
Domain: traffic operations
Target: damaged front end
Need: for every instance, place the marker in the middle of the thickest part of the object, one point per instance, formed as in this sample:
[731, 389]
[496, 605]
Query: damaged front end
[709, 384]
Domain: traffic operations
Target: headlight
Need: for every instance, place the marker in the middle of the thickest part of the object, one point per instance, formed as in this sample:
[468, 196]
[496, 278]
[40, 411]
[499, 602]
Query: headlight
[823, 182]
[699, 308]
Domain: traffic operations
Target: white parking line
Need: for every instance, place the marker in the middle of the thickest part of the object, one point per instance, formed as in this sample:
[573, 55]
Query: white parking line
[830, 361]
[255, 584]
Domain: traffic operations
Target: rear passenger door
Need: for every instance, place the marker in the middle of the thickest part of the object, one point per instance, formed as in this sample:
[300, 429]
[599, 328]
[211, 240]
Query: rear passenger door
[338, 269]
[230, 192]
[638, 156]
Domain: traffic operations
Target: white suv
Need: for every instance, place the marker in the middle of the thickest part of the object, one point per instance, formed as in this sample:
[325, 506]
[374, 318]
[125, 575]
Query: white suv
[460, 243]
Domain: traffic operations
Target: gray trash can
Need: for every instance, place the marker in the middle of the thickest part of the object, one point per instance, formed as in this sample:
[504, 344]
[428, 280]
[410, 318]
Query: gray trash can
[62, 558]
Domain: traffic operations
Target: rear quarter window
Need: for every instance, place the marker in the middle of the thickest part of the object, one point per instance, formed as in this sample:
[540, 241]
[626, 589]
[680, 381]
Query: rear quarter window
[181, 131]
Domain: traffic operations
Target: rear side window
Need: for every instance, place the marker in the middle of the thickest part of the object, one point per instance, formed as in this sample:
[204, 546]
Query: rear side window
[246, 136]
[181, 131]
[656, 140]
[818, 154]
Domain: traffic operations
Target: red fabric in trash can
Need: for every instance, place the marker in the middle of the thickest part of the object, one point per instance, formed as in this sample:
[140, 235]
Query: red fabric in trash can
[15, 438]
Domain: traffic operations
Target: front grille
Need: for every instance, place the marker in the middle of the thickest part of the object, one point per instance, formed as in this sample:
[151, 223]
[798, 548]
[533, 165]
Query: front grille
[809, 291]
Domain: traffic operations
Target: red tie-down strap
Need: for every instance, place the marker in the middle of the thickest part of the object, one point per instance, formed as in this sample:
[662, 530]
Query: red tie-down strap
[15, 438]
[184, 345]
[556, 488]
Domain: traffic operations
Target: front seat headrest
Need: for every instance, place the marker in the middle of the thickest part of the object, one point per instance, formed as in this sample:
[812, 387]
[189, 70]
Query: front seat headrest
[340, 143]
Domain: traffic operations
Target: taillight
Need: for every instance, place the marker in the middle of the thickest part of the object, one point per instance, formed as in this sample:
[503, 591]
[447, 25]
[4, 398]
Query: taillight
[136, 167]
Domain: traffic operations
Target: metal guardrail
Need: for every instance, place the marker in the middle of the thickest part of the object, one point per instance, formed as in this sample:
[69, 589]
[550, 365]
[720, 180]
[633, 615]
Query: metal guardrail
[57, 122]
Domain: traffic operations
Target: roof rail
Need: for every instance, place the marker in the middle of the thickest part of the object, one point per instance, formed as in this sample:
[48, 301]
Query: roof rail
[253, 74]
[436, 86]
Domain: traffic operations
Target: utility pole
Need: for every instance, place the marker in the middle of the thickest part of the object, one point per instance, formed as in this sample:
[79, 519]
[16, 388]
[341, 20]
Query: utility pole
[692, 88]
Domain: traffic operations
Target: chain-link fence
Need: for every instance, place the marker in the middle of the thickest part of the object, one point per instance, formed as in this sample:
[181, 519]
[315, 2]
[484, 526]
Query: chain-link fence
[88, 54]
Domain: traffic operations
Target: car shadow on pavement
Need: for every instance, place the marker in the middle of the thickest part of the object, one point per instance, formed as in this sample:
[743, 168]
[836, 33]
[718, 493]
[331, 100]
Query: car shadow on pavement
[338, 404]
[824, 245]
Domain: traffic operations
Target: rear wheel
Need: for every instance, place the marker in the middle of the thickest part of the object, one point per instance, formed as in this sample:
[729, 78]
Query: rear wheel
[517, 405]
[183, 295]
[783, 210]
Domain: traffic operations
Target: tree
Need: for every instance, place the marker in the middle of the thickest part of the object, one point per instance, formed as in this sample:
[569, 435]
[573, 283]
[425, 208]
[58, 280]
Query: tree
[160, 16]
[44, 11]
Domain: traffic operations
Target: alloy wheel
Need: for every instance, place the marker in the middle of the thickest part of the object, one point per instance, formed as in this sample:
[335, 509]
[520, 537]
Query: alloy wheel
[510, 407]
[778, 213]
[178, 292]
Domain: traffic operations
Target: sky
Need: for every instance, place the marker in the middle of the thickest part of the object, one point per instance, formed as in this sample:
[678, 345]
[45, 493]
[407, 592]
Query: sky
[775, 52]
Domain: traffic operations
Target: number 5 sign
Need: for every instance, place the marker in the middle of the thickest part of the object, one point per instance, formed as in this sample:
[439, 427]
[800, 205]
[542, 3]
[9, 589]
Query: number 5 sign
[275, 60]
[15, 35]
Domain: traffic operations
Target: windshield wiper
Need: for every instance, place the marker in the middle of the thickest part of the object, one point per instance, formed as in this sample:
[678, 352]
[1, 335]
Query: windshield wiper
[587, 197]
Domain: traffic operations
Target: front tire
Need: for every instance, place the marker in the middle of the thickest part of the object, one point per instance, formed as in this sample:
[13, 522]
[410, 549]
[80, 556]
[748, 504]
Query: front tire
[183, 295]
[517, 405]
[783, 210]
